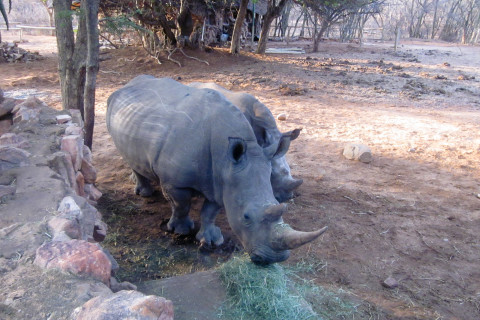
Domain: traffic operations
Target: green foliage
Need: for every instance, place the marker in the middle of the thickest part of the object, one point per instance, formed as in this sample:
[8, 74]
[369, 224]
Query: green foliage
[118, 25]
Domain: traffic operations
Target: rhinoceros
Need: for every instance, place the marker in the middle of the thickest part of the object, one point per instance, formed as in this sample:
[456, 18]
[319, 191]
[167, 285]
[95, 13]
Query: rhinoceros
[267, 134]
[195, 142]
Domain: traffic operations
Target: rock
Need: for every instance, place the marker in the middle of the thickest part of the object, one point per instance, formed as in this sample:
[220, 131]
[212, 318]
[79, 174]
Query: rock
[390, 283]
[74, 146]
[30, 103]
[61, 162]
[125, 305]
[14, 140]
[1, 95]
[7, 106]
[282, 116]
[7, 190]
[91, 192]
[70, 227]
[76, 117]
[89, 172]
[119, 286]
[99, 233]
[75, 256]
[74, 130]
[358, 152]
[80, 184]
[26, 115]
[63, 118]
[11, 157]
[87, 154]
[5, 125]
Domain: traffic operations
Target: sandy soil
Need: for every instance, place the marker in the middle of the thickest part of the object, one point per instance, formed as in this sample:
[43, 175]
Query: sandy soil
[413, 213]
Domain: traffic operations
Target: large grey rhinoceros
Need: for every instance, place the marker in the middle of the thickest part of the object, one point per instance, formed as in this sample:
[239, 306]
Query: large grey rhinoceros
[194, 141]
[267, 134]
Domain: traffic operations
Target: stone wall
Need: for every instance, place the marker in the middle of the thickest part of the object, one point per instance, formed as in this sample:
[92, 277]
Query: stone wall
[52, 265]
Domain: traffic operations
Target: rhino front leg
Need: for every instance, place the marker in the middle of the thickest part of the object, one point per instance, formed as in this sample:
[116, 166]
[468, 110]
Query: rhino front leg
[180, 200]
[209, 234]
[142, 185]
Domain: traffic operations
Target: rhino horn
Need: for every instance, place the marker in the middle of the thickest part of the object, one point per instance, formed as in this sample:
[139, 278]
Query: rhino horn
[274, 212]
[285, 238]
[294, 184]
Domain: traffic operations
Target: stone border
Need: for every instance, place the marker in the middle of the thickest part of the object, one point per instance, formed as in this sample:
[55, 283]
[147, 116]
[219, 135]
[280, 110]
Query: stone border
[71, 230]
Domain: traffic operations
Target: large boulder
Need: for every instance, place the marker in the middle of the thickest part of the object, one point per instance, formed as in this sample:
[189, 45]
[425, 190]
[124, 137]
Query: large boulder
[75, 256]
[125, 305]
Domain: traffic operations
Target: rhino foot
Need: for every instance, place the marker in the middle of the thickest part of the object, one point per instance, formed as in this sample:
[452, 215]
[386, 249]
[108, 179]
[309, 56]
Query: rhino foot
[210, 236]
[144, 191]
[180, 226]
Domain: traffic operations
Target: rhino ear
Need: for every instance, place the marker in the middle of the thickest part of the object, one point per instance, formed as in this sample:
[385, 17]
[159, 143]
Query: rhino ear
[237, 149]
[294, 133]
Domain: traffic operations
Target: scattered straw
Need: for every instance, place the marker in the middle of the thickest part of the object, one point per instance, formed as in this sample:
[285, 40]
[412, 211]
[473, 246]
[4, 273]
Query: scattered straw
[256, 292]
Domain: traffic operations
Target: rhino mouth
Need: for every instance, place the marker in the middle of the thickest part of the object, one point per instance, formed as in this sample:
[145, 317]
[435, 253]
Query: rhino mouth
[265, 255]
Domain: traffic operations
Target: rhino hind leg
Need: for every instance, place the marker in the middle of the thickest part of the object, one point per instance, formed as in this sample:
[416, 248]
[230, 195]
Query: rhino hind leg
[180, 200]
[142, 185]
[209, 234]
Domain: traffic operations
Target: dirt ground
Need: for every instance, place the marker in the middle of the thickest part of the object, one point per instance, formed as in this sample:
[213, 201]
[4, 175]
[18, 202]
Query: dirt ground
[412, 214]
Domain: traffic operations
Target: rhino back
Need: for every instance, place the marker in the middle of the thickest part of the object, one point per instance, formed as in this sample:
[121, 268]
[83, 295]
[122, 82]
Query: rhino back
[173, 133]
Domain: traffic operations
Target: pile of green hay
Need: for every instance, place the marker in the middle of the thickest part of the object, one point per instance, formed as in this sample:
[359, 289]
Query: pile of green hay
[264, 293]
[276, 293]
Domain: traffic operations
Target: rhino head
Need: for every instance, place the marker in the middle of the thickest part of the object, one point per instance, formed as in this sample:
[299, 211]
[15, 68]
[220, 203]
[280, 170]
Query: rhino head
[252, 210]
[283, 183]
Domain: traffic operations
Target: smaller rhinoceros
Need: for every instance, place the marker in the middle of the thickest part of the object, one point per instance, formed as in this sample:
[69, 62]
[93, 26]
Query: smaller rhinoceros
[194, 141]
[267, 134]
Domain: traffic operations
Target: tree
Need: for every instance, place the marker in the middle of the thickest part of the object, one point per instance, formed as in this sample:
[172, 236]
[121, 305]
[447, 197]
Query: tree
[78, 59]
[237, 29]
[4, 14]
[273, 11]
[332, 11]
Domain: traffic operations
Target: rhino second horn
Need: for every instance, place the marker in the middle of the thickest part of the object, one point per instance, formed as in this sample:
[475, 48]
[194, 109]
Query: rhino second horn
[274, 212]
[285, 238]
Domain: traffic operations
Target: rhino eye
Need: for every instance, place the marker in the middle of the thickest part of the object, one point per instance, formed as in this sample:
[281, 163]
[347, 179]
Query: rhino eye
[236, 149]
[246, 217]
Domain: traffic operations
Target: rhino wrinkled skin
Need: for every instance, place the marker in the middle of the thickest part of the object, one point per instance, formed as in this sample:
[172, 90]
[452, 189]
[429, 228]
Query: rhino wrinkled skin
[267, 134]
[194, 141]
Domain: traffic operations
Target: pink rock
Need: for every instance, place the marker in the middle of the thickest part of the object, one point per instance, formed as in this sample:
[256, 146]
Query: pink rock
[91, 192]
[61, 162]
[89, 172]
[13, 140]
[74, 130]
[11, 157]
[31, 102]
[125, 305]
[25, 114]
[87, 154]
[80, 184]
[75, 256]
[63, 118]
[5, 126]
[70, 227]
[74, 146]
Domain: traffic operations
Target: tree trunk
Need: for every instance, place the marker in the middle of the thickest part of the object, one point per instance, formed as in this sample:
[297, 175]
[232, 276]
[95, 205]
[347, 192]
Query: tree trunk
[91, 69]
[262, 42]
[66, 46]
[237, 29]
[273, 12]
[320, 34]
[78, 59]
